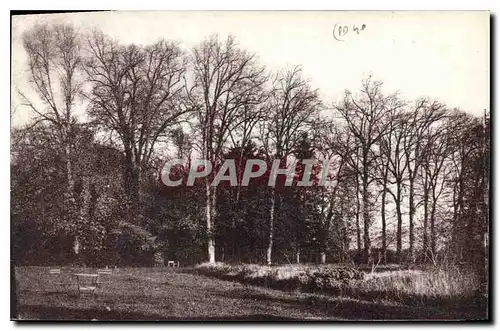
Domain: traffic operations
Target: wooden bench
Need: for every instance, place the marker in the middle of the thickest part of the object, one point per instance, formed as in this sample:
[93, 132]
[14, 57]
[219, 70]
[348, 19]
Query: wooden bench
[55, 271]
[105, 271]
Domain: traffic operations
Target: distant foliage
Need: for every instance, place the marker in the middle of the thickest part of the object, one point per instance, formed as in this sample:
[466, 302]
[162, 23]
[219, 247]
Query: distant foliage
[405, 181]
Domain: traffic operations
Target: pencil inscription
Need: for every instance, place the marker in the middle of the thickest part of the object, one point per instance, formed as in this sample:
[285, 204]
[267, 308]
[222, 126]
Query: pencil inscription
[341, 31]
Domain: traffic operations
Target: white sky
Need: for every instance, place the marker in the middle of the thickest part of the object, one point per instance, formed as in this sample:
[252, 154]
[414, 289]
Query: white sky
[444, 55]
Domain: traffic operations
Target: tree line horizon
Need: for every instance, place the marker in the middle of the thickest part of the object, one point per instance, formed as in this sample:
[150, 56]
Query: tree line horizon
[408, 179]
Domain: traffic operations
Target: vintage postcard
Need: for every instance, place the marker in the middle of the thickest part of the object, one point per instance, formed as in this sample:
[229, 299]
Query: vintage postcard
[250, 165]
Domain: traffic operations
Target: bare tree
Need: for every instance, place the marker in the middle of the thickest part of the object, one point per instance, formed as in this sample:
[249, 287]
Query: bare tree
[390, 170]
[424, 114]
[334, 144]
[293, 106]
[355, 167]
[182, 142]
[228, 82]
[391, 148]
[365, 116]
[136, 95]
[436, 171]
[54, 64]
[241, 134]
[243, 131]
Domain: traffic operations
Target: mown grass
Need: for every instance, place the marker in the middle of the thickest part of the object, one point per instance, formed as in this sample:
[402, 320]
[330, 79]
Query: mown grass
[145, 294]
[178, 294]
[433, 287]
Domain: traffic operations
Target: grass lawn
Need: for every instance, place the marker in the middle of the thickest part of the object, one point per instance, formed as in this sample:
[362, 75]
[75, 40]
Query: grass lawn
[181, 294]
[457, 290]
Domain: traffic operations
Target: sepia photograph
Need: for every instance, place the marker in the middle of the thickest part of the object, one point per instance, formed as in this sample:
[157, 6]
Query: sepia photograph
[250, 166]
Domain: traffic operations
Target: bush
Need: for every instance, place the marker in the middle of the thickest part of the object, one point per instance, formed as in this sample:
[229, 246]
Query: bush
[288, 277]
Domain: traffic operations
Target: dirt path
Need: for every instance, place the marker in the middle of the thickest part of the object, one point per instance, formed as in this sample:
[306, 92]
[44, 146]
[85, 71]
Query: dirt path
[149, 294]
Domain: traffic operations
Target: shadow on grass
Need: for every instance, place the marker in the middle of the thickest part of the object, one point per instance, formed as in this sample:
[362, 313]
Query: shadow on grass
[472, 307]
[38, 313]
[359, 310]
[478, 303]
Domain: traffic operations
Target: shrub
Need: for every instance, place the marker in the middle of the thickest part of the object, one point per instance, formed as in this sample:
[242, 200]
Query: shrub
[414, 287]
[330, 279]
[287, 277]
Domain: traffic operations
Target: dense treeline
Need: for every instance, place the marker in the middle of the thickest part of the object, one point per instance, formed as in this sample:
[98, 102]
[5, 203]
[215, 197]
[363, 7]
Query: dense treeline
[408, 181]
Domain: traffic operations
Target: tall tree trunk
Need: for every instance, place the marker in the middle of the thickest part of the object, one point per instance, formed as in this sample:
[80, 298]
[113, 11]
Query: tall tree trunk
[366, 218]
[209, 215]
[237, 206]
[384, 225]
[345, 242]
[131, 182]
[272, 215]
[69, 172]
[461, 221]
[411, 253]
[212, 243]
[358, 211]
[300, 222]
[425, 243]
[425, 240]
[297, 248]
[454, 224]
[71, 191]
[458, 225]
[433, 225]
[325, 229]
[382, 212]
[399, 231]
